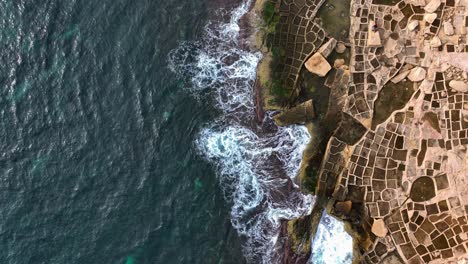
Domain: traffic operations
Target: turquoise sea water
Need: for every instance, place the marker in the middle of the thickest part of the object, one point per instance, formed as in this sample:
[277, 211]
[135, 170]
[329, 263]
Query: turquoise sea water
[97, 159]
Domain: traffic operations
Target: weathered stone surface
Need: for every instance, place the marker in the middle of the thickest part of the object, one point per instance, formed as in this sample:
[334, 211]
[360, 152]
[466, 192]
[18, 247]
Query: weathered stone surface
[297, 115]
[317, 64]
[373, 37]
[435, 42]
[429, 18]
[338, 63]
[340, 47]
[327, 48]
[432, 6]
[378, 228]
[343, 208]
[417, 2]
[417, 74]
[413, 25]
[459, 86]
[448, 28]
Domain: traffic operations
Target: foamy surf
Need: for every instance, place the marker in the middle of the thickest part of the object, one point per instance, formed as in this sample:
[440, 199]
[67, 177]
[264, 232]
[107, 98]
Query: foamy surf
[254, 164]
[332, 245]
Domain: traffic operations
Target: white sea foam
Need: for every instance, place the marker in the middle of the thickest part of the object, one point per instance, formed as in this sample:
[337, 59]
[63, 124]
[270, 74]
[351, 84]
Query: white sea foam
[247, 161]
[332, 245]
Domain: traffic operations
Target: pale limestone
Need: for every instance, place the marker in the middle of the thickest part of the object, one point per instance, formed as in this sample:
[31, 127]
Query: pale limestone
[459, 86]
[417, 74]
[432, 6]
[413, 25]
[318, 64]
[429, 18]
[448, 29]
[435, 42]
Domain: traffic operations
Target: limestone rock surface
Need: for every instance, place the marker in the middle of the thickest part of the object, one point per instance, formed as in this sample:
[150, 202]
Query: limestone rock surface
[432, 6]
[430, 17]
[459, 86]
[318, 64]
[417, 74]
[413, 25]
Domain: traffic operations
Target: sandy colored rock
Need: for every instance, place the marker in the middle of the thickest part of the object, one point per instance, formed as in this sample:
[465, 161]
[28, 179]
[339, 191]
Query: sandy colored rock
[426, 86]
[459, 86]
[413, 25]
[429, 18]
[417, 74]
[432, 6]
[340, 48]
[373, 37]
[435, 42]
[338, 63]
[327, 48]
[318, 64]
[378, 228]
[448, 29]
[417, 2]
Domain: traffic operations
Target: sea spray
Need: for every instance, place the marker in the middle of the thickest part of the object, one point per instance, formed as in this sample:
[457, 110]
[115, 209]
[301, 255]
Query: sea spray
[255, 163]
[331, 244]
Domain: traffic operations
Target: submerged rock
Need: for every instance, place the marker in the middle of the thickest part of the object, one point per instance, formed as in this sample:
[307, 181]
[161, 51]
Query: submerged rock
[318, 64]
[340, 48]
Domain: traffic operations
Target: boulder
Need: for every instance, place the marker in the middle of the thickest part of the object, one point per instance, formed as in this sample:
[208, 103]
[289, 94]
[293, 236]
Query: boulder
[432, 6]
[318, 64]
[429, 18]
[327, 48]
[417, 74]
[338, 63]
[378, 228]
[448, 29]
[413, 25]
[459, 86]
[340, 47]
[435, 42]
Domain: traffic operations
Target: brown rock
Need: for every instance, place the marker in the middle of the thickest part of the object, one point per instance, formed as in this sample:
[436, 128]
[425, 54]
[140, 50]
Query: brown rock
[343, 208]
[338, 63]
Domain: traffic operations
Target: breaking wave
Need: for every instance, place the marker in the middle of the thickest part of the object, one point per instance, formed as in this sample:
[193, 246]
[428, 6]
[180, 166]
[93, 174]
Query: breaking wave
[255, 163]
[331, 244]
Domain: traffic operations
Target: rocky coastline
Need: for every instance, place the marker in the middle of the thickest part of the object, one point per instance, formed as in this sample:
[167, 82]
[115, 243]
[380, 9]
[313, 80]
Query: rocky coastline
[384, 94]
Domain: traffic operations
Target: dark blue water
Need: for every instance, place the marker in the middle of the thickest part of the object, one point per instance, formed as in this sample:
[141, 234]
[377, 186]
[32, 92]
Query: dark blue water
[97, 161]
